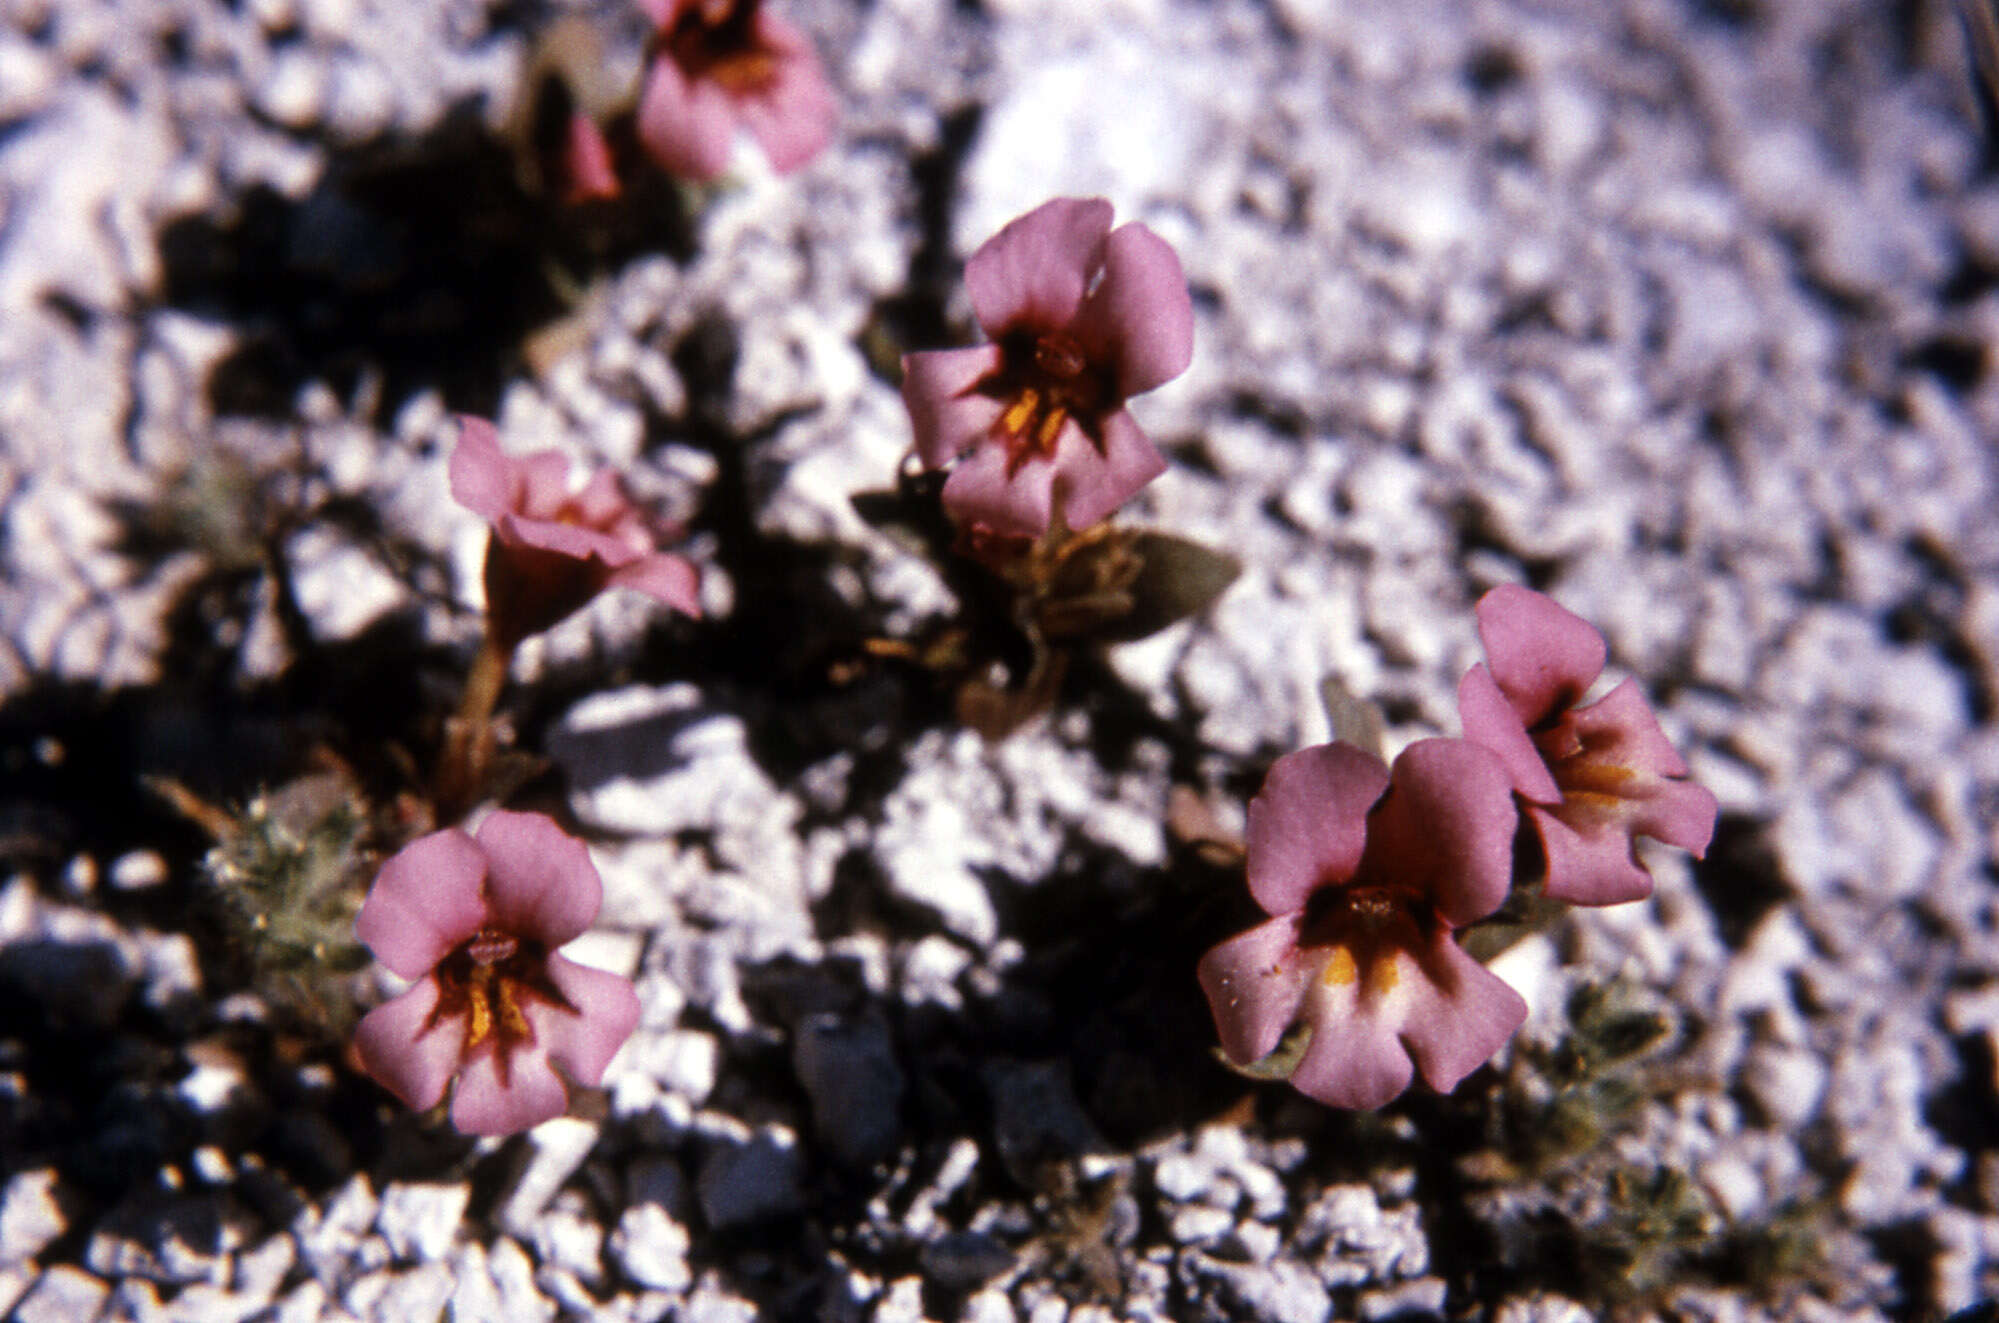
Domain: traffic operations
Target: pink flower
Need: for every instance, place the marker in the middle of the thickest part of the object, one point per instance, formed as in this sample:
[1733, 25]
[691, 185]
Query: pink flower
[1593, 778]
[723, 63]
[588, 171]
[552, 551]
[1368, 873]
[475, 923]
[1080, 318]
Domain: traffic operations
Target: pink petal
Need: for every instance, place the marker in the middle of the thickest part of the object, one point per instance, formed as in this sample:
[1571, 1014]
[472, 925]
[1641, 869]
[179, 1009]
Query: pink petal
[1355, 1059]
[664, 577]
[1544, 656]
[1620, 728]
[687, 127]
[1682, 814]
[1591, 863]
[1090, 484]
[980, 492]
[1254, 984]
[584, 1044]
[946, 414]
[1032, 274]
[1308, 825]
[482, 478]
[543, 489]
[602, 501]
[1459, 1013]
[793, 116]
[397, 1053]
[1139, 317]
[586, 160]
[481, 1105]
[1490, 721]
[429, 897]
[663, 13]
[572, 540]
[540, 882]
[1445, 829]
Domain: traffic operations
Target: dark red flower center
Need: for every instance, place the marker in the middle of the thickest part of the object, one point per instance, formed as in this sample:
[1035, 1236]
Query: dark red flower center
[1045, 380]
[489, 979]
[717, 40]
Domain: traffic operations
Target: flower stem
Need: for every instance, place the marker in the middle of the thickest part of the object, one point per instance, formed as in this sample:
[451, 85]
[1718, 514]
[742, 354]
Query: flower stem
[468, 735]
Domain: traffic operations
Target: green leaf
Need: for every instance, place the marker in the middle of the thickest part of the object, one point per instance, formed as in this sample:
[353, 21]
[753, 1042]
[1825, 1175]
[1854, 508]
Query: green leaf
[1176, 579]
[1281, 1061]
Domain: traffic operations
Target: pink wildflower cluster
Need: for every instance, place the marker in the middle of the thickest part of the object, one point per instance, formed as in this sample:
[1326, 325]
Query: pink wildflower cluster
[1078, 317]
[1367, 872]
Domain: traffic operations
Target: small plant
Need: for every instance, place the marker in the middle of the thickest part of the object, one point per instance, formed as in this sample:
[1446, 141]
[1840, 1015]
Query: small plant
[1026, 449]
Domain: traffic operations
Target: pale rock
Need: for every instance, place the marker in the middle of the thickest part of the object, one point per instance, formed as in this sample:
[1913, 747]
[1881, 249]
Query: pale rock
[1200, 1225]
[62, 1294]
[1424, 1296]
[420, 1221]
[989, 1306]
[650, 1247]
[1281, 1292]
[330, 1238]
[709, 1303]
[294, 91]
[31, 1217]
[567, 1240]
[559, 1147]
[513, 1278]
[422, 1293]
[685, 1061]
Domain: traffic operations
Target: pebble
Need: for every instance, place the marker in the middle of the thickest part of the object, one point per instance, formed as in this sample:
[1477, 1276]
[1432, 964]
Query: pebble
[62, 1294]
[138, 870]
[961, 1260]
[294, 92]
[1281, 1292]
[756, 1181]
[420, 1221]
[650, 1248]
[568, 1240]
[710, 1304]
[988, 1306]
[30, 1216]
[558, 1148]
[1201, 1225]
[1425, 1295]
[850, 1074]
[330, 1238]
[513, 1278]
[421, 1293]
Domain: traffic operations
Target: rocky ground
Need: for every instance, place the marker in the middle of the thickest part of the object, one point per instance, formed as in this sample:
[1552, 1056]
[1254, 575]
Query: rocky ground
[1682, 312]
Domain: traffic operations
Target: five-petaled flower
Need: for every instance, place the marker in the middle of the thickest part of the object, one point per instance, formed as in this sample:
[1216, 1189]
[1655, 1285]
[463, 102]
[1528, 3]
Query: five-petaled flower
[475, 921]
[1368, 873]
[1079, 317]
[720, 63]
[1591, 778]
[552, 550]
